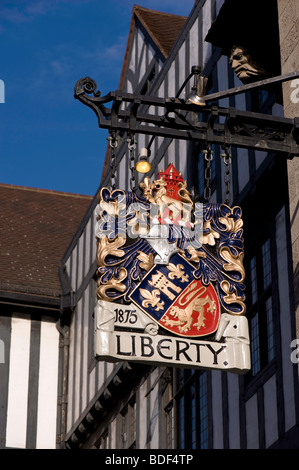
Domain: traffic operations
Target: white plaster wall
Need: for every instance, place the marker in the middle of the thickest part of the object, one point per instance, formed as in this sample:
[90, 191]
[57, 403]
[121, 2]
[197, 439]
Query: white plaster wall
[252, 430]
[270, 409]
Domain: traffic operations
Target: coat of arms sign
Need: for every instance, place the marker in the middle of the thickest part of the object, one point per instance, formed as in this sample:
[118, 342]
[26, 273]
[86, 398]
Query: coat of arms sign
[170, 286]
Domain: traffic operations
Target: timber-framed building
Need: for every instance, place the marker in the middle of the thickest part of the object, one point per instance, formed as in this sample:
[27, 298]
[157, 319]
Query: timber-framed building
[124, 405]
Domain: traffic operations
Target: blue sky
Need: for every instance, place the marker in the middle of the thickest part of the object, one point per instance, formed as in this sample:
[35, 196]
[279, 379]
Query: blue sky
[48, 139]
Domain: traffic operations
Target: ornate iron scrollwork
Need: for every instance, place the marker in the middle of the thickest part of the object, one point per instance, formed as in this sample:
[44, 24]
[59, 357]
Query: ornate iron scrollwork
[236, 128]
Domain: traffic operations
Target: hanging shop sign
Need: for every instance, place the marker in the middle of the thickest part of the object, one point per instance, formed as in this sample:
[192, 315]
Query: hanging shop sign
[170, 287]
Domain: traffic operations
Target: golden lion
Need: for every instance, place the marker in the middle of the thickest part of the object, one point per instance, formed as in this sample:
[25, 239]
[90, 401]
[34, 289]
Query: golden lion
[184, 316]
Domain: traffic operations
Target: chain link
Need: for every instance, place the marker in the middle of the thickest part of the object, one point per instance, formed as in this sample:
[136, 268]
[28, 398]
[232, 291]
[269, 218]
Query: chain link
[208, 154]
[132, 146]
[227, 175]
[113, 143]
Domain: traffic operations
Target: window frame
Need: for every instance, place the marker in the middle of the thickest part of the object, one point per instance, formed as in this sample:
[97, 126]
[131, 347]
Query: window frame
[268, 344]
[127, 424]
[189, 410]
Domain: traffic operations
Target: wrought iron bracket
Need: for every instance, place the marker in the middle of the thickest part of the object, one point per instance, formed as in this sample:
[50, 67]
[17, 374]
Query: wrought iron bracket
[178, 119]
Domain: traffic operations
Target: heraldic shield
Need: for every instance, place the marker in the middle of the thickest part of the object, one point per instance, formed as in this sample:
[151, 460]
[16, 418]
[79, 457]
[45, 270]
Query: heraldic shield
[179, 303]
[174, 262]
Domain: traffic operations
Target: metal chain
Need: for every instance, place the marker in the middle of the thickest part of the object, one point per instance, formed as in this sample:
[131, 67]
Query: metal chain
[227, 175]
[113, 145]
[132, 146]
[208, 153]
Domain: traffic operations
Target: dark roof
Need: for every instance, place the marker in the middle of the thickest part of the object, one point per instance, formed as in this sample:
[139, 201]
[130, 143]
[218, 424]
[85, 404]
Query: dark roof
[36, 227]
[163, 28]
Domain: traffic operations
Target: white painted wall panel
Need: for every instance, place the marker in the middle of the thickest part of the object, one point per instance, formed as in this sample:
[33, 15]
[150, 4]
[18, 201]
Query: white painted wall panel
[131, 67]
[259, 157]
[74, 268]
[93, 245]
[240, 100]
[193, 50]
[171, 81]
[154, 410]
[222, 75]
[47, 386]
[77, 352]
[206, 24]
[85, 358]
[101, 374]
[141, 56]
[110, 367]
[68, 267]
[128, 88]
[87, 247]
[252, 431]
[122, 174]
[92, 384]
[277, 110]
[2, 352]
[151, 54]
[71, 390]
[143, 425]
[213, 199]
[80, 260]
[270, 407]
[18, 383]
[243, 168]
[140, 144]
[183, 158]
[113, 434]
[219, 4]
[171, 154]
[182, 72]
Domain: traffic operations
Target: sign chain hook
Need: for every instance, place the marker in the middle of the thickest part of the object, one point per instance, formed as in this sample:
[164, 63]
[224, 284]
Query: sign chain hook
[208, 155]
[113, 143]
[227, 159]
[132, 146]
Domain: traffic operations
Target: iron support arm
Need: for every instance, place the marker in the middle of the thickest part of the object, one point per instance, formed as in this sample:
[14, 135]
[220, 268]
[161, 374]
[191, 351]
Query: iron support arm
[177, 119]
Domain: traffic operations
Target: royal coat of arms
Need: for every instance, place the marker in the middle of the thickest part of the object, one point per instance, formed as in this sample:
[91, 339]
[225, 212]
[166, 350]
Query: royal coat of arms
[169, 267]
